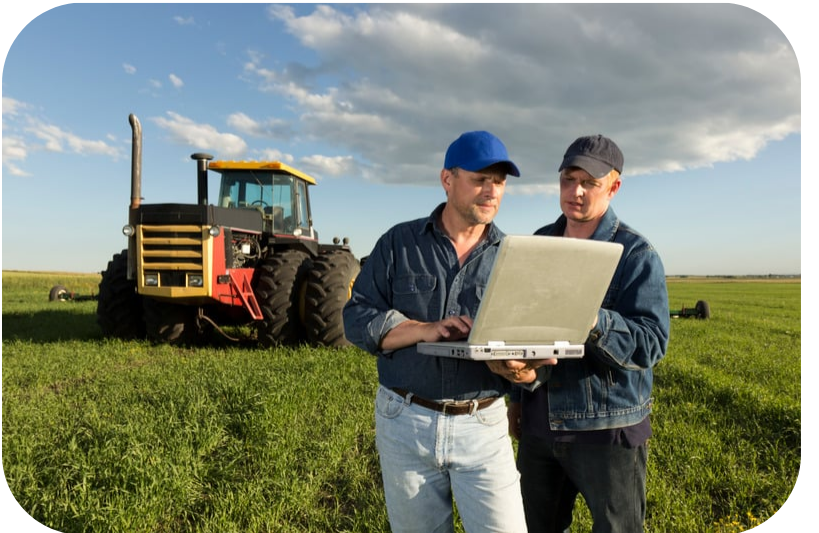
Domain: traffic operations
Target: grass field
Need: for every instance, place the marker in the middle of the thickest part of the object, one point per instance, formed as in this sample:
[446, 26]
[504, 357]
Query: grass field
[101, 435]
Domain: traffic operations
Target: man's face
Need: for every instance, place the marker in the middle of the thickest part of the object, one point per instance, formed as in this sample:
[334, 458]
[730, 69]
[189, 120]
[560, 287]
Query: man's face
[476, 196]
[583, 198]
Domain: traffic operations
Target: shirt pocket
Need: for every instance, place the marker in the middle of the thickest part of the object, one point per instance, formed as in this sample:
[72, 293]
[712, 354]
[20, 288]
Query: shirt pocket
[414, 294]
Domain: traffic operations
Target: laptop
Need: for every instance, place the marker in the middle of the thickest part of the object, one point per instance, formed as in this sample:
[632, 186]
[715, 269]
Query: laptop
[540, 302]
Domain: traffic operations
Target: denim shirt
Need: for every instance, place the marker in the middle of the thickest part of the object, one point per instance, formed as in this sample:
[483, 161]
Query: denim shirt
[611, 386]
[414, 273]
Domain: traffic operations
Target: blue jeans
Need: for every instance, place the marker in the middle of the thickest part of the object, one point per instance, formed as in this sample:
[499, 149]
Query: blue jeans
[612, 480]
[428, 458]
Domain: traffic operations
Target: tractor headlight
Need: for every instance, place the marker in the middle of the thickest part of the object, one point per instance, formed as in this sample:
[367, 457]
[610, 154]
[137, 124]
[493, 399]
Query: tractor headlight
[128, 230]
[214, 231]
[152, 279]
[196, 280]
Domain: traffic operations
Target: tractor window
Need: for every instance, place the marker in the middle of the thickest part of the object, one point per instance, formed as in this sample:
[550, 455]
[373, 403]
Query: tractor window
[284, 199]
[271, 193]
[244, 190]
[304, 215]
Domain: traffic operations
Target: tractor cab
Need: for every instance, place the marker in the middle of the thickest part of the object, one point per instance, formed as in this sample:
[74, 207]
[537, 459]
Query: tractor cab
[278, 192]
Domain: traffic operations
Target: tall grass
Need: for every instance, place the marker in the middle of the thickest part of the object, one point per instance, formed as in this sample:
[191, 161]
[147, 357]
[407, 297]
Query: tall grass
[102, 435]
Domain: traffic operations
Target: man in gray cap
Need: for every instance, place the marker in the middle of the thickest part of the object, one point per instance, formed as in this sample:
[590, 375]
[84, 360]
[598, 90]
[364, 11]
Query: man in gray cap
[585, 429]
[441, 425]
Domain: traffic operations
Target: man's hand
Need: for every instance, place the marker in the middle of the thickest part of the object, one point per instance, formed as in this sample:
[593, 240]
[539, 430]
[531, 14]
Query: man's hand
[450, 329]
[519, 370]
[412, 332]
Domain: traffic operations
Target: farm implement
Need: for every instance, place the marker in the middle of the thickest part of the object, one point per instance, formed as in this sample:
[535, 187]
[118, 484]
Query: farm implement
[60, 293]
[700, 310]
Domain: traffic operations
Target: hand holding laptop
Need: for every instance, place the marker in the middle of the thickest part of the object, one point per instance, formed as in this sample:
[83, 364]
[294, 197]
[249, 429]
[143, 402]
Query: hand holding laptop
[517, 370]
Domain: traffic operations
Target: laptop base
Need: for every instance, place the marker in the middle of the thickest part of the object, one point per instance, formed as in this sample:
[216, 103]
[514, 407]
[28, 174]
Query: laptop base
[461, 350]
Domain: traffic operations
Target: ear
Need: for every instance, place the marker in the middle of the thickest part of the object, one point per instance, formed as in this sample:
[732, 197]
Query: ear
[615, 186]
[446, 179]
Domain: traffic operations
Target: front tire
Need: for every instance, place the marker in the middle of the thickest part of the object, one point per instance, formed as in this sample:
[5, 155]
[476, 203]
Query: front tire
[329, 287]
[119, 307]
[278, 282]
[169, 323]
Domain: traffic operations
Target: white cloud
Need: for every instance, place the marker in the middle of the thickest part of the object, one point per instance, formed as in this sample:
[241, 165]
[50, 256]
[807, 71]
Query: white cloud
[271, 154]
[328, 166]
[12, 107]
[55, 139]
[24, 134]
[677, 86]
[202, 136]
[176, 81]
[129, 69]
[184, 21]
[270, 128]
[14, 150]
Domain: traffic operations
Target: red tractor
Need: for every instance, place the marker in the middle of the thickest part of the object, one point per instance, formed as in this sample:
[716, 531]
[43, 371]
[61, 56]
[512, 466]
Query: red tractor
[253, 258]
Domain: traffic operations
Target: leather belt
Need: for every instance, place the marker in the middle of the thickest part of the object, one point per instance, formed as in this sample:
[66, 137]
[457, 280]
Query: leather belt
[462, 407]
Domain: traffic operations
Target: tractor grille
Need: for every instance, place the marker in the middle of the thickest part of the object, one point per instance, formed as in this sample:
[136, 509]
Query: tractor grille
[171, 251]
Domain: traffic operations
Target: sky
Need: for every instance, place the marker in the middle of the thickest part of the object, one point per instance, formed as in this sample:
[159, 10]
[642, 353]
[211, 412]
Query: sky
[705, 100]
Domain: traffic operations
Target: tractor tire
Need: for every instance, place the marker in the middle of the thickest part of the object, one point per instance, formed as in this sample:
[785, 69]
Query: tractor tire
[119, 307]
[703, 309]
[170, 323]
[278, 282]
[329, 286]
[58, 293]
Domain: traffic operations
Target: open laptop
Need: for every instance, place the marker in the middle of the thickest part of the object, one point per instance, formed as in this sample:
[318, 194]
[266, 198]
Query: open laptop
[541, 300]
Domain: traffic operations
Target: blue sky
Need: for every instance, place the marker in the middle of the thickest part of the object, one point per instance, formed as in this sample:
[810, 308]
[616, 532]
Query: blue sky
[704, 99]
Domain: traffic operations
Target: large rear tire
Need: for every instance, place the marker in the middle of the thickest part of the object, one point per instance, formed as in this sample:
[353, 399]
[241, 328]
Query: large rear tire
[329, 286]
[119, 307]
[278, 282]
[170, 323]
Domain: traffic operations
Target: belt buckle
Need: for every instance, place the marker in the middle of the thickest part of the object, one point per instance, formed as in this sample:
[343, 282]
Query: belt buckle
[473, 407]
[454, 406]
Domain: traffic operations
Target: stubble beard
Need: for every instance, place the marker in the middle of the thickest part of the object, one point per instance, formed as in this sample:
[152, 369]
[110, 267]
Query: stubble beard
[477, 215]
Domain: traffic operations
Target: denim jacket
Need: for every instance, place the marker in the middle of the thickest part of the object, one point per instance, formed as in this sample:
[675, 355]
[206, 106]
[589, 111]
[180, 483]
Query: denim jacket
[611, 386]
[414, 273]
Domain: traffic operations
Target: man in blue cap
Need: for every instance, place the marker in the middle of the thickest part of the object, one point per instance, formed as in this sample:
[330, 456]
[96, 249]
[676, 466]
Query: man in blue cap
[441, 428]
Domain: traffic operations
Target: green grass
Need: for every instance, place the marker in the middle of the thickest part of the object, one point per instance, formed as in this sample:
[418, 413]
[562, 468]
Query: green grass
[104, 435]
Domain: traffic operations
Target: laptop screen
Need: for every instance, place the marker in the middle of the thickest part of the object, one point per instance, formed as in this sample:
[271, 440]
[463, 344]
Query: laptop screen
[544, 290]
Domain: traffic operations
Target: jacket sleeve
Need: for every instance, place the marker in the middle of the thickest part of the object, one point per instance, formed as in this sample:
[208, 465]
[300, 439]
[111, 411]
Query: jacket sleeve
[633, 332]
[368, 314]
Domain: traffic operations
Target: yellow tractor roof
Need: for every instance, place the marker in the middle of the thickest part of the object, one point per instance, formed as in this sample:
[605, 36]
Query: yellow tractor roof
[220, 166]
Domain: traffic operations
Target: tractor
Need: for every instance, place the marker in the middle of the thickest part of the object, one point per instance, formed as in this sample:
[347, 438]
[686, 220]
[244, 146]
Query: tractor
[253, 259]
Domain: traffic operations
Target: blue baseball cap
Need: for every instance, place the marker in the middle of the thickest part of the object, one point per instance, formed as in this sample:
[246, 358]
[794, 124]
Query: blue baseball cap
[476, 150]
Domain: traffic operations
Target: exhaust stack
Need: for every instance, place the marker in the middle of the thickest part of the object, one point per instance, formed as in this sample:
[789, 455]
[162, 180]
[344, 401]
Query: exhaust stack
[202, 176]
[136, 161]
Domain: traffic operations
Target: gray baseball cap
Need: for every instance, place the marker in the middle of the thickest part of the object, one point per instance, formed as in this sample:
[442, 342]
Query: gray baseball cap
[595, 154]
